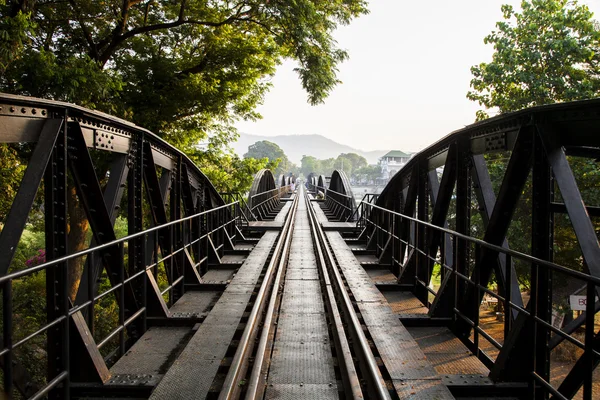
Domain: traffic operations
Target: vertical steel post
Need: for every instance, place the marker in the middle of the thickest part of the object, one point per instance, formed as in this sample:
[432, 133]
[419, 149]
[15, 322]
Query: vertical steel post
[541, 247]
[57, 299]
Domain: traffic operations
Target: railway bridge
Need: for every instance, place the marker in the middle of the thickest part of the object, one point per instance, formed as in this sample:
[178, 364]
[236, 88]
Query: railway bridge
[457, 281]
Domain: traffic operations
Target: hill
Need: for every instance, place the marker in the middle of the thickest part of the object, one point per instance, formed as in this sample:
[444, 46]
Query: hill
[295, 146]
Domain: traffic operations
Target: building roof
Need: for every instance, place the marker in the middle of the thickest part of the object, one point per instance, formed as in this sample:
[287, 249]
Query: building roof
[396, 153]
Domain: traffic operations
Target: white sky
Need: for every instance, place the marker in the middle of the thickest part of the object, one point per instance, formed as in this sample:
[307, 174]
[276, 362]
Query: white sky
[405, 83]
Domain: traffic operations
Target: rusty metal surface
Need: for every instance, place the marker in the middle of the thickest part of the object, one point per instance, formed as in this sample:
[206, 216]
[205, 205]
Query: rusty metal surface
[149, 356]
[405, 303]
[412, 374]
[302, 362]
[195, 302]
[339, 226]
[304, 391]
[209, 344]
[447, 354]
[265, 225]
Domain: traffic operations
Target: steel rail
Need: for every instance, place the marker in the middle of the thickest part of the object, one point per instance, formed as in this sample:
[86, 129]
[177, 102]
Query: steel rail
[377, 387]
[237, 370]
[255, 389]
[350, 377]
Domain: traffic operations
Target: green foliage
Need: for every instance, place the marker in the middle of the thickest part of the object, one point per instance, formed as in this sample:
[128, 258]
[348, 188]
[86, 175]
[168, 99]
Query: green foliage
[546, 53]
[14, 31]
[185, 69]
[280, 164]
[349, 162]
[368, 173]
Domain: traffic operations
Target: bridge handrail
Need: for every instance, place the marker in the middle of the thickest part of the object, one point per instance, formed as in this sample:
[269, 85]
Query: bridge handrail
[37, 268]
[233, 197]
[592, 283]
[6, 283]
[276, 194]
[368, 198]
[500, 249]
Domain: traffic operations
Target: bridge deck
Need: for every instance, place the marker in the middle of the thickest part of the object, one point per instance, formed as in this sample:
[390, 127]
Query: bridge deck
[407, 365]
[193, 372]
[302, 364]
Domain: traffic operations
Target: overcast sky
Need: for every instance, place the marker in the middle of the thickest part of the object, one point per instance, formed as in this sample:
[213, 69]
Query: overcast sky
[405, 83]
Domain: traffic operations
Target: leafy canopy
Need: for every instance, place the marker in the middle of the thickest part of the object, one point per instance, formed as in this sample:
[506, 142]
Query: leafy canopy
[548, 52]
[264, 149]
[185, 69]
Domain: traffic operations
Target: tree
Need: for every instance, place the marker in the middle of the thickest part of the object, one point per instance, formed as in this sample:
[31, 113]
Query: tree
[368, 173]
[161, 63]
[546, 53]
[350, 162]
[274, 154]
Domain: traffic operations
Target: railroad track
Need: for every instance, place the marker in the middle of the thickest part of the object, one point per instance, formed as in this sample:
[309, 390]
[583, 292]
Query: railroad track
[304, 336]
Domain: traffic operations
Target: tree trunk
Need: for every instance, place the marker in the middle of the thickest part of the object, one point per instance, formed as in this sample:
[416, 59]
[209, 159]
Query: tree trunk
[78, 227]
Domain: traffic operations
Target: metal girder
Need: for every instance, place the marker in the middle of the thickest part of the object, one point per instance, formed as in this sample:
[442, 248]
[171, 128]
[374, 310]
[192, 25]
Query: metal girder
[409, 209]
[484, 192]
[57, 298]
[113, 194]
[582, 225]
[513, 182]
[19, 211]
[440, 198]
[90, 194]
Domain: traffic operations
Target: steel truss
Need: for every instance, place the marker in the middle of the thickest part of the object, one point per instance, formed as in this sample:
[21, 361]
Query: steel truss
[340, 204]
[264, 197]
[407, 228]
[178, 225]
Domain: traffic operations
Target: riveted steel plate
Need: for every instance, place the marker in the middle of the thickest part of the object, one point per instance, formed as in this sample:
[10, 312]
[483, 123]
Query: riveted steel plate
[446, 352]
[410, 369]
[134, 380]
[405, 303]
[195, 302]
[467, 380]
[298, 287]
[241, 288]
[437, 340]
[428, 389]
[233, 259]
[305, 302]
[283, 212]
[302, 274]
[306, 392]
[301, 362]
[192, 374]
[150, 354]
[216, 275]
[452, 363]
[302, 327]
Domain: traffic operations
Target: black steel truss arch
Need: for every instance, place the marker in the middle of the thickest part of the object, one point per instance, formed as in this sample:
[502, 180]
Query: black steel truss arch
[177, 225]
[408, 228]
[264, 195]
[339, 196]
[322, 182]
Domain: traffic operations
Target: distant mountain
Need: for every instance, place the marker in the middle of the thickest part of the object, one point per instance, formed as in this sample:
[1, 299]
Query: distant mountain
[296, 146]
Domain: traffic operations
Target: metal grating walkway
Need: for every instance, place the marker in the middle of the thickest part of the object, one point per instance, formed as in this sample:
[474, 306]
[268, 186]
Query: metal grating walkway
[302, 363]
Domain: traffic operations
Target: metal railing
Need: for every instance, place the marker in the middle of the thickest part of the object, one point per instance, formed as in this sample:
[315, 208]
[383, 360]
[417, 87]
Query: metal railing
[246, 212]
[187, 251]
[412, 256]
[265, 204]
[340, 205]
[361, 213]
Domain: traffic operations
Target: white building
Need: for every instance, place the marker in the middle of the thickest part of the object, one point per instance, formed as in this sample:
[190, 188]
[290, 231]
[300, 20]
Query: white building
[392, 162]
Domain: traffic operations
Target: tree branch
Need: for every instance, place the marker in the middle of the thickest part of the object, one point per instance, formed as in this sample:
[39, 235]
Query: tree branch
[86, 32]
